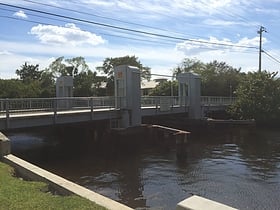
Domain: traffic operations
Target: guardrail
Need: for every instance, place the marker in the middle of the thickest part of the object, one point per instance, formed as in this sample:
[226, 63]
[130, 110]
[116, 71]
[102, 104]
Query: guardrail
[55, 105]
[157, 101]
[31, 105]
[217, 100]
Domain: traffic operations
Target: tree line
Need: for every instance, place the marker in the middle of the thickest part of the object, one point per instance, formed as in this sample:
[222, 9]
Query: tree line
[257, 93]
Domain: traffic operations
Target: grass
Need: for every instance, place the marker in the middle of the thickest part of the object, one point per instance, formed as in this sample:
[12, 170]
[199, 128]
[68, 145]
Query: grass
[16, 194]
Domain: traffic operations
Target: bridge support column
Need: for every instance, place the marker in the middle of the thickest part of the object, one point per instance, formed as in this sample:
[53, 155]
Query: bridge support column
[128, 95]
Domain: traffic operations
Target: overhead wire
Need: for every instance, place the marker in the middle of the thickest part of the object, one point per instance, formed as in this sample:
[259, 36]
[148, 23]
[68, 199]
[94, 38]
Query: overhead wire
[93, 15]
[128, 29]
[105, 34]
[271, 57]
[124, 37]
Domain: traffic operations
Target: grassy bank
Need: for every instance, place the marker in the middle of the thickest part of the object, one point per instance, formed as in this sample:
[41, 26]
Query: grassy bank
[16, 193]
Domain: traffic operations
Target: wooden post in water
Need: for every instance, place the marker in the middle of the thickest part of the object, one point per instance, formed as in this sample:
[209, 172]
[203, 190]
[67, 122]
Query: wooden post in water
[162, 134]
[181, 144]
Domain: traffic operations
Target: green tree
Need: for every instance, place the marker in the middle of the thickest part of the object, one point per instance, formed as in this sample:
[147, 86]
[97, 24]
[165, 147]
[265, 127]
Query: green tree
[68, 67]
[258, 97]
[29, 72]
[217, 78]
[12, 88]
[189, 65]
[47, 84]
[165, 89]
[108, 69]
[84, 83]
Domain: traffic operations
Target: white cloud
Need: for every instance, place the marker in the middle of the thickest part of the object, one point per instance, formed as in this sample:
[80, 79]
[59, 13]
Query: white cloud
[21, 14]
[219, 22]
[5, 52]
[203, 45]
[169, 7]
[69, 34]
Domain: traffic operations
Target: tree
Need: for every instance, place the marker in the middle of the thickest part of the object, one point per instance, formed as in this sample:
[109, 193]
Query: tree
[217, 78]
[29, 72]
[47, 84]
[109, 64]
[12, 88]
[68, 67]
[164, 89]
[36, 83]
[258, 97]
[189, 65]
[83, 83]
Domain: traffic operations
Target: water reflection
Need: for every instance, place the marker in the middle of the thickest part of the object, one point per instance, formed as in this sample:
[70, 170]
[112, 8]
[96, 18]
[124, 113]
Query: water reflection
[238, 167]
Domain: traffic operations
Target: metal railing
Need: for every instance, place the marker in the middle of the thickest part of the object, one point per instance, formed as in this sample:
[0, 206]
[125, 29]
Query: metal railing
[156, 101]
[55, 105]
[31, 105]
[217, 100]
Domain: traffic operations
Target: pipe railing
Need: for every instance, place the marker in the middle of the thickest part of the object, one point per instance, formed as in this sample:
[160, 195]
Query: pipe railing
[217, 100]
[32, 105]
[55, 105]
[156, 101]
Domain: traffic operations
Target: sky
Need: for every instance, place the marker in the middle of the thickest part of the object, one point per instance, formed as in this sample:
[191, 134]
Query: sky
[161, 33]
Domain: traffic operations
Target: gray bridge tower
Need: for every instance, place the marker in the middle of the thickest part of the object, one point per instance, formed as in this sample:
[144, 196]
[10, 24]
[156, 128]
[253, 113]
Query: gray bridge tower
[128, 95]
[189, 93]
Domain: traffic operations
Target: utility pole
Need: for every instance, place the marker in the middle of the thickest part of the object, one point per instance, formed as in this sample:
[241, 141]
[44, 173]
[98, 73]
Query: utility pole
[262, 29]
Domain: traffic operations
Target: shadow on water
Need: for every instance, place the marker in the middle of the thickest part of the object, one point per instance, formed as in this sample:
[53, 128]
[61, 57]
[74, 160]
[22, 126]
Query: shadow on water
[235, 166]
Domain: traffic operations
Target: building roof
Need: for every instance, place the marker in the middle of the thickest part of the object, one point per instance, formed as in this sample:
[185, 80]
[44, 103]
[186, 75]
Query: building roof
[149, 84]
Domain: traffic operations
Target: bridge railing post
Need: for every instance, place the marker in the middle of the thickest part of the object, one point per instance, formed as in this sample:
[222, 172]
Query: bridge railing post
[55, 110]
[157, 103]
[91, 108]
[1, 105]
[7, 103]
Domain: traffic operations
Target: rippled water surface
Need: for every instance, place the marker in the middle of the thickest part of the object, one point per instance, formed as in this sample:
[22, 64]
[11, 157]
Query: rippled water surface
[235, 167]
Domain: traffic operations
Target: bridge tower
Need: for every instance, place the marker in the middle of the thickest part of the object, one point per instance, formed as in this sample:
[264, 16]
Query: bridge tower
[128, 95]
[64, 89]
[189, 93]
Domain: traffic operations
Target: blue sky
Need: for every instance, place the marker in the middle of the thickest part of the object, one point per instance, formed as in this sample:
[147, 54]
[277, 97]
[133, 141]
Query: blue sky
[34, 31]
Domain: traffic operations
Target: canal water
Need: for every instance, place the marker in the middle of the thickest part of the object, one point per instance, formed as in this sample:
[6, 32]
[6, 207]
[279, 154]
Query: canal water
[237, 167]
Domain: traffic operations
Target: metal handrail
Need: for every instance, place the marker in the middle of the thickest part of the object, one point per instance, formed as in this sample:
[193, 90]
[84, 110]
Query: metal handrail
[217, 100]
[54, 105]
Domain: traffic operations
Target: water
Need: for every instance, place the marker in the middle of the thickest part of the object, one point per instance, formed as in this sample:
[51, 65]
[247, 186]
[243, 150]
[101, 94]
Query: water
[234, 167]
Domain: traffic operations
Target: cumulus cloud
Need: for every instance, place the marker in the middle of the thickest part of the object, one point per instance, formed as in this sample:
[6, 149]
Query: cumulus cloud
[21, 14]
[172, 7]
[203, 45]
[5, 52]
[69, 34]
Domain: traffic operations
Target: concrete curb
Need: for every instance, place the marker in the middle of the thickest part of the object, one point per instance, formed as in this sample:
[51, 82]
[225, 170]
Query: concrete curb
[199, 203]
[60, 184]
[5, 145]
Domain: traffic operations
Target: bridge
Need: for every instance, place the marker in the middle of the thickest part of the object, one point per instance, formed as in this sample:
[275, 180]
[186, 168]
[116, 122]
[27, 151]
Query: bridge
[31, 112]
[124, 110]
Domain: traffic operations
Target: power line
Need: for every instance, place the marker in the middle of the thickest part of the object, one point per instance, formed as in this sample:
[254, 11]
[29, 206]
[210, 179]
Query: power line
[171, 43]
[128, 29]
[270, 56]
[93, 15]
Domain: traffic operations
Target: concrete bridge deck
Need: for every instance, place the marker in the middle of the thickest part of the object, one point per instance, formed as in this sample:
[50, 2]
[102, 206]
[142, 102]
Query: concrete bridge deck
[22, 113]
